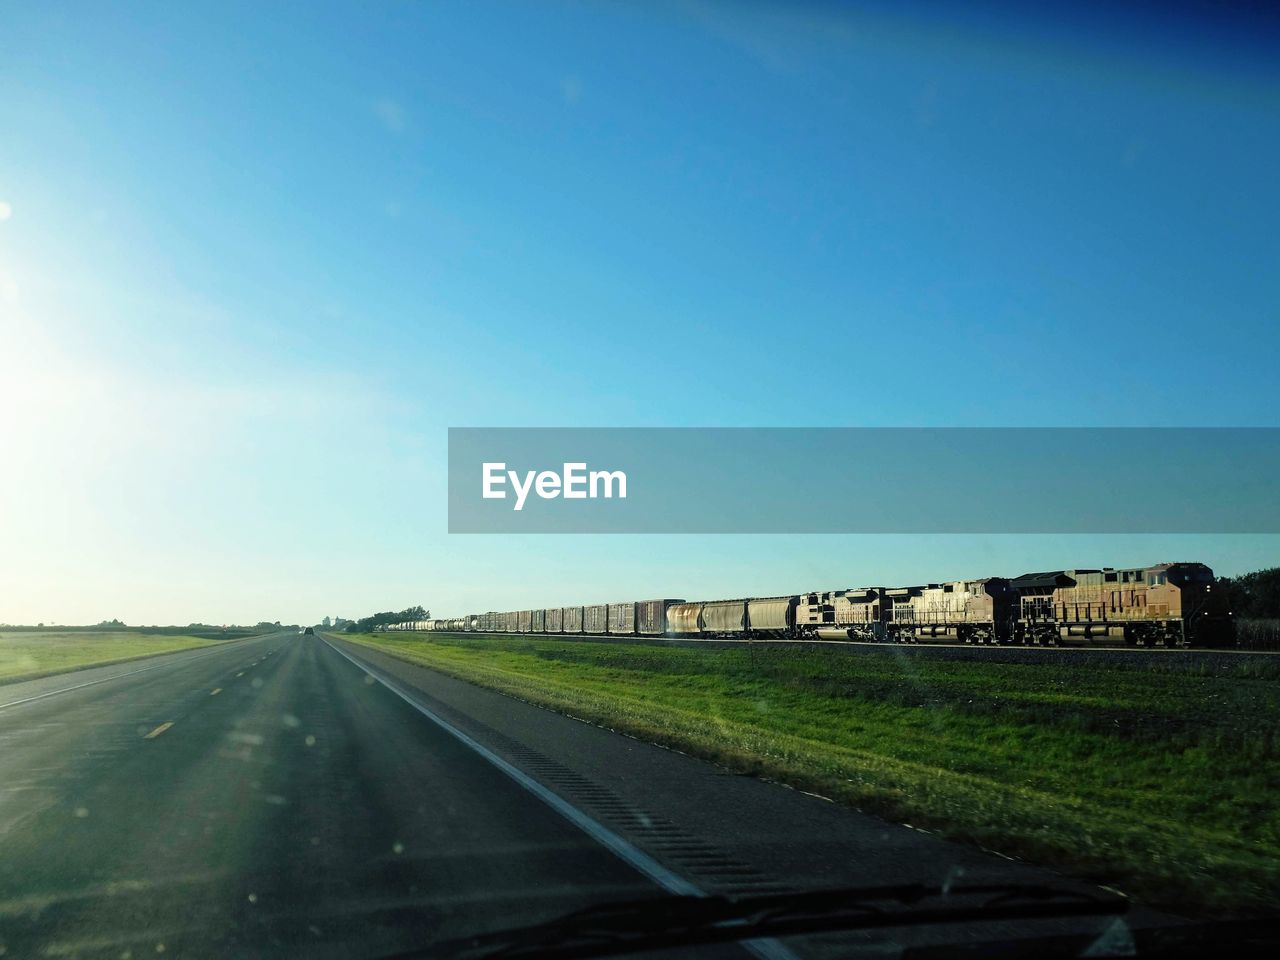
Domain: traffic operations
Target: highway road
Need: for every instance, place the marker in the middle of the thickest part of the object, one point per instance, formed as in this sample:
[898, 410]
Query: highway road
[292, 796]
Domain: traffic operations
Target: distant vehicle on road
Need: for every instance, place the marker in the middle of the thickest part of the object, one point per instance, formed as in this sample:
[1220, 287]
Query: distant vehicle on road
[309, 632]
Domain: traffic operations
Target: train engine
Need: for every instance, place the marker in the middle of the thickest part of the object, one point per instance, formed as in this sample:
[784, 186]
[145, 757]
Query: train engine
[1203, 609]
[962, 611]
[1168, 605]
[842, 614]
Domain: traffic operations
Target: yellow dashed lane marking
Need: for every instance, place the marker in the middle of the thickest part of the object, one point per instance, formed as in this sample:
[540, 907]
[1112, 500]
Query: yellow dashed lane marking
[158, 730]
[215, 691]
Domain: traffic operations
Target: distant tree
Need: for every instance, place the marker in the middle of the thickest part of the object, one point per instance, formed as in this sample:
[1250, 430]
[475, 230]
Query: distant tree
[379, 621]
[1254, 596]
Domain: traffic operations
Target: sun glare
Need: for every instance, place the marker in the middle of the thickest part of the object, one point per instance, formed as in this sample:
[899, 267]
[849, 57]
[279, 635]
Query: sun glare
[6, 211]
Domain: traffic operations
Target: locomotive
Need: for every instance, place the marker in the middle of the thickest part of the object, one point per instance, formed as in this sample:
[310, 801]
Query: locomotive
[1166, 605]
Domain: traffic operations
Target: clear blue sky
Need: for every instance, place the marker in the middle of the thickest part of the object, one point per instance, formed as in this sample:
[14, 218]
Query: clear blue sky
[255, 259]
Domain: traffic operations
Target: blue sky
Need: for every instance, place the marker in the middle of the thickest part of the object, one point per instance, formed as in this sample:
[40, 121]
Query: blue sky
[257, 260]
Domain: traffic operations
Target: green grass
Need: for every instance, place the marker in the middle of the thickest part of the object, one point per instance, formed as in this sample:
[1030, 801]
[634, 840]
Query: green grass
[27, 654]
[1158, 778]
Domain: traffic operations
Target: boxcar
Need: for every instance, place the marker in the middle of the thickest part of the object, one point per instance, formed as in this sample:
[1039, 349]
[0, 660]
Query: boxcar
[555, 619]
[572, 619]
[539, 621]
[595, 619]
[524, 621]
[651, 616]
[622, 618]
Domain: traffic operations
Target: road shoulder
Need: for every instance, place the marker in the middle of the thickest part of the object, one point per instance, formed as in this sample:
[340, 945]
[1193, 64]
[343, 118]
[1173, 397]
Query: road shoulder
[729, 833]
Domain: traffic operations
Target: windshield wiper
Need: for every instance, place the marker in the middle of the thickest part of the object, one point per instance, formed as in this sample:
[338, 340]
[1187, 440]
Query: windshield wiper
[658, 923]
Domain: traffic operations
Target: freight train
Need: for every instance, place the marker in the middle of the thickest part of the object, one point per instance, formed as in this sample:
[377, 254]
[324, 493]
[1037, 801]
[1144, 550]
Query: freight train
[1167, 605]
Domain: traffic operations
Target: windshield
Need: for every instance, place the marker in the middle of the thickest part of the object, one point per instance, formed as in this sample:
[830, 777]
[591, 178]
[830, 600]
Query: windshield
[671, 477]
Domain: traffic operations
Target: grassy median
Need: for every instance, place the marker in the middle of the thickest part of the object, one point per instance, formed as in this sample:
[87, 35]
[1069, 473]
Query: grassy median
[26, 655]
[1160, 778]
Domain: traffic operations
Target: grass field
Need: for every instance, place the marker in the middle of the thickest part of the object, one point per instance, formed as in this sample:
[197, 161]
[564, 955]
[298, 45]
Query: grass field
[1261, 634]
[1160, 779]
[25, 655]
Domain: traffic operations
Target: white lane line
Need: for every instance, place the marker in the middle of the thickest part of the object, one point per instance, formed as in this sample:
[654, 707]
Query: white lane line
[114, 676]
[767, 949]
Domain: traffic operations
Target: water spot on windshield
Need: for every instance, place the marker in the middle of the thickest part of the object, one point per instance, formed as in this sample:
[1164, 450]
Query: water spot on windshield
[953, 874]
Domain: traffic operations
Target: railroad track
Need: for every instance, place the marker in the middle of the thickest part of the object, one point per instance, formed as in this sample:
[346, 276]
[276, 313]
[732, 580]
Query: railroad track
[1008, 652]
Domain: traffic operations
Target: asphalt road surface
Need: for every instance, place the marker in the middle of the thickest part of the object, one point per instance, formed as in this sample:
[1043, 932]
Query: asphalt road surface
[274, 797]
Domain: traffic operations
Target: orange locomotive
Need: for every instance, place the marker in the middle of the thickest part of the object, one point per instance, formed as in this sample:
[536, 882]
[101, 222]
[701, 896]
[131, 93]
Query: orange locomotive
[1169, 605]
